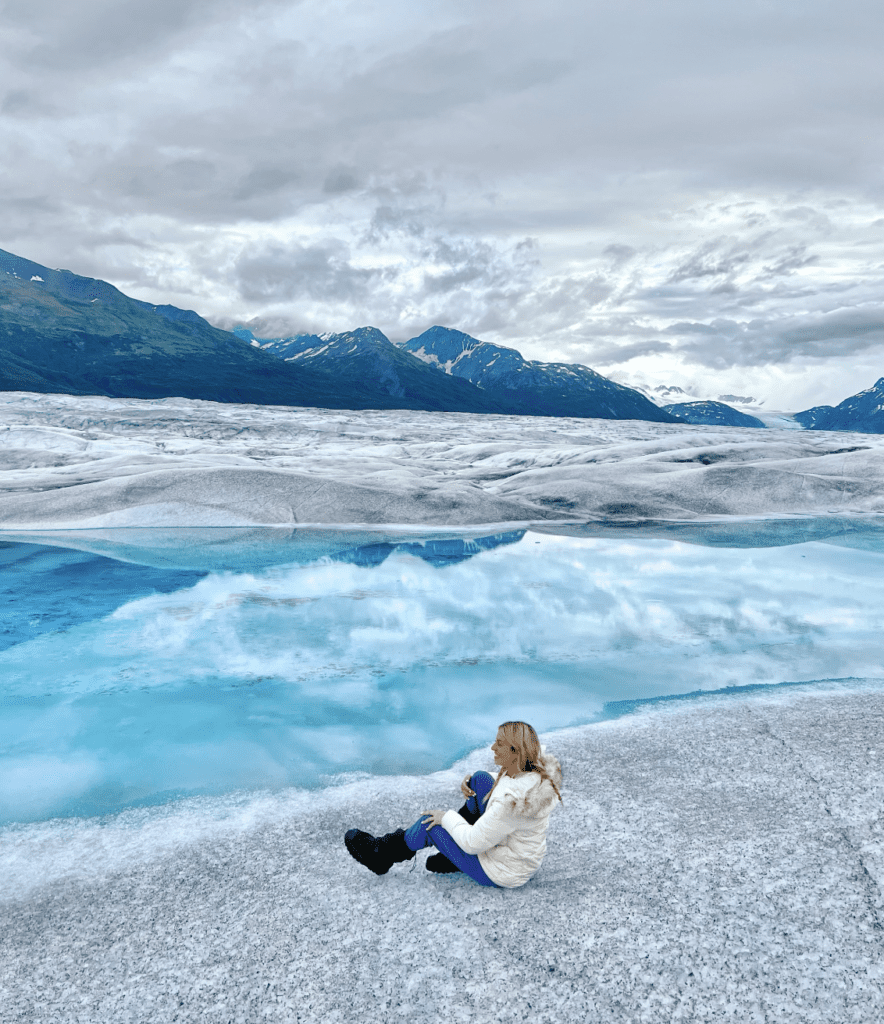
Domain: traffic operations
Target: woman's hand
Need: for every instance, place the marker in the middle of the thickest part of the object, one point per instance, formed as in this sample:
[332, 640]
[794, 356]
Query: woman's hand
[432, 818]
[465, 787]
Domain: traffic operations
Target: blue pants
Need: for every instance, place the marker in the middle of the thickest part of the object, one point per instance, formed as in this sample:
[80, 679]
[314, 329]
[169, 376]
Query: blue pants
[419, 836]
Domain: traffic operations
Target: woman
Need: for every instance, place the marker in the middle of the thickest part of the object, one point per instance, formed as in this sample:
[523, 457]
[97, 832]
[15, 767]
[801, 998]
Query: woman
[498, 837]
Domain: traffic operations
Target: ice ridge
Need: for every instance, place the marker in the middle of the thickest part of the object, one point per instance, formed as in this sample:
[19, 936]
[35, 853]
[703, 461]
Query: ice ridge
[72, 462]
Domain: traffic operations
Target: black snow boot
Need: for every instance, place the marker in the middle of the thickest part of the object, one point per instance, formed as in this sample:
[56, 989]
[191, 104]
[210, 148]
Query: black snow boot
[378, 854]
[439, 863]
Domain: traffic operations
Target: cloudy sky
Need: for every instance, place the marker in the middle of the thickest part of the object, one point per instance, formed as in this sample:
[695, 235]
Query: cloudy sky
[670, 191]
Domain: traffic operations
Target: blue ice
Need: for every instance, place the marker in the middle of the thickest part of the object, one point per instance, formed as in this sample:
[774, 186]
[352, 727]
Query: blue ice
[141, 666]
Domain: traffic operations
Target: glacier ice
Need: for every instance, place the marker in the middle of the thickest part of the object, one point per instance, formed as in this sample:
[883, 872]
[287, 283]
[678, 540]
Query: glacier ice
[179, 645]
[721, 862]
[73, 462]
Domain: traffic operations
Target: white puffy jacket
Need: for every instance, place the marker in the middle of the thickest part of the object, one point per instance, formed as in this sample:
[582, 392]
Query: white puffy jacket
[510, 837]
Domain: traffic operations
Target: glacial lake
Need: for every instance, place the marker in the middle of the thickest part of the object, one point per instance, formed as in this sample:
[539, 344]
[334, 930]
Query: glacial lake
[141, 666]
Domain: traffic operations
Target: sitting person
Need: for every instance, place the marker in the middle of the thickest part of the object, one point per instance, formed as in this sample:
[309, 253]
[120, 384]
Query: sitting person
[498, 837]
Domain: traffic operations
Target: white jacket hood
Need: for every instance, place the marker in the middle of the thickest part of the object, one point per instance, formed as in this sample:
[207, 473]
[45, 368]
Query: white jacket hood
[535, 795]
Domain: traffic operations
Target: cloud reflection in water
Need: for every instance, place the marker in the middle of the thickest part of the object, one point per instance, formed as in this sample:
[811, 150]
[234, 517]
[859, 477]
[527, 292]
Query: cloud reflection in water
[289, 674]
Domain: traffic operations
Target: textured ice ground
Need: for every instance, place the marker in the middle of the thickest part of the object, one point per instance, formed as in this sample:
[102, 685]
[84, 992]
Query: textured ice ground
[70, 462]
[716, 861]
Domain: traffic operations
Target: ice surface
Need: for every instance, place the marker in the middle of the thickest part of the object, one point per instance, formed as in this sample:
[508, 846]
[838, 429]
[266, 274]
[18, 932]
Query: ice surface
[722, 861]
[74, 462]
[718, 858]
[124, 685]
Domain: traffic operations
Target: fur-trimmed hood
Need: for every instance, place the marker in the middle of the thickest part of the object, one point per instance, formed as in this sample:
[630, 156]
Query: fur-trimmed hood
[530, 794]
[510, 836]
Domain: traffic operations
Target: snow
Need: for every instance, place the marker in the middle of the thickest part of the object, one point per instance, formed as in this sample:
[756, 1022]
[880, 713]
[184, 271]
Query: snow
[315, 351]
[72, 462]
[720, 860]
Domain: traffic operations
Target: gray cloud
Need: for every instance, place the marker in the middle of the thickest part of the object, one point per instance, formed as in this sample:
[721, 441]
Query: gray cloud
[794, 258]
[340, 179]
[709, 261]
[619, 253]
[607, 355]
[265, 181]
[322, 271]
[812, 337]
[477, 264]
[707, 174]
[93, 34]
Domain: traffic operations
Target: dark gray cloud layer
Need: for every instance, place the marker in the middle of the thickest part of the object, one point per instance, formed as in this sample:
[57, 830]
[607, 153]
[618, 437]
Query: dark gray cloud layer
[661, 189]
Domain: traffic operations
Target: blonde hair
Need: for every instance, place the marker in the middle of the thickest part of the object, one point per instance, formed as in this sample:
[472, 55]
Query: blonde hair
[523, 741]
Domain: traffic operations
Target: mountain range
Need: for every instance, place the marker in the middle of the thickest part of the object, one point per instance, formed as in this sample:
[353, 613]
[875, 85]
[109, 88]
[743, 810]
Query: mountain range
[864, 412]
[63, 333]
[533, 388]
[509, 383]
[716, 414]
[366, 365]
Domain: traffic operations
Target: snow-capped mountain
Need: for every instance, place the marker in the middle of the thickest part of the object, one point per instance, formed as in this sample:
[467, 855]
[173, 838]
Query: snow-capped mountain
[366, 355]
[740, 399]
[530, 387]
[67, 334]
[863, 412]
[670, 394]
[63, 333]
[712, 414]
[664, 393]
[691, 405]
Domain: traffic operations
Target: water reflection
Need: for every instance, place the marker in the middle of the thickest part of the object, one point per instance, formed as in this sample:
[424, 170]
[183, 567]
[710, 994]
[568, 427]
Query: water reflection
[47, 588]
[255, 548]
[864, 533]
[214, 660]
